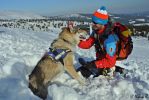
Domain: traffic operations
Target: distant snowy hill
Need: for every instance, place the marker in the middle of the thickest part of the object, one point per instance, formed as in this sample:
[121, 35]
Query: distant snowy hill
[19, 15]
[137, 18]
[74, 15]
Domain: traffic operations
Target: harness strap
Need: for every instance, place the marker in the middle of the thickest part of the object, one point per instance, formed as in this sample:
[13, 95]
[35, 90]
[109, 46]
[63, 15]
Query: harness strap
[58, 54]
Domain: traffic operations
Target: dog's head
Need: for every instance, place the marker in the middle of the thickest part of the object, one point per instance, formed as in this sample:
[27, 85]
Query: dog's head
[73, 34]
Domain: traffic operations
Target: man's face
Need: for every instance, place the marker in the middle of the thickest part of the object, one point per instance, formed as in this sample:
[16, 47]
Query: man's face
[97, 26]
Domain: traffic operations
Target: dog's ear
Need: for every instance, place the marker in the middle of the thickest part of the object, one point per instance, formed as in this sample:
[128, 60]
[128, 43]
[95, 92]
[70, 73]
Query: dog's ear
[65, 29]
[71, 28]
[74, 29]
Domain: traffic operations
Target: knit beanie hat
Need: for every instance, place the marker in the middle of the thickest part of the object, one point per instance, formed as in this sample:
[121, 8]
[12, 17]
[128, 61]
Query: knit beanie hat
[100, 16]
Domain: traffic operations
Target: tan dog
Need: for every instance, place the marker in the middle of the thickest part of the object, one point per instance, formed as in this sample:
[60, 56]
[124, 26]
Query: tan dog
[47, 69]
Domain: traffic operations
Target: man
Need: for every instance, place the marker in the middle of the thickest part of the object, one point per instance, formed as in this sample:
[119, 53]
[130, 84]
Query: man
[105, 41]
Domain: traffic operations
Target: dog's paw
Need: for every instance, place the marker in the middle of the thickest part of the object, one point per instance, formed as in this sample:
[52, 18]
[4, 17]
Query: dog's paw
[82, 81]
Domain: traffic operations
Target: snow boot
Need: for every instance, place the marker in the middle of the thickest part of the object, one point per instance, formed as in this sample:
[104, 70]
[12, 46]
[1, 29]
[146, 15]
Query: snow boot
[123, 72]
[119, 69]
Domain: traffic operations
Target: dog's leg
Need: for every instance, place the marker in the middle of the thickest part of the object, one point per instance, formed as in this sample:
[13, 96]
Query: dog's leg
[36, 79]
[68, 64]
[36, 87]
[74, 74]
[43, 92]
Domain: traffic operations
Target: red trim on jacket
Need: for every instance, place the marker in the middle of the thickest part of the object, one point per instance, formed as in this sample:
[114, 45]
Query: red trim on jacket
[106, 62]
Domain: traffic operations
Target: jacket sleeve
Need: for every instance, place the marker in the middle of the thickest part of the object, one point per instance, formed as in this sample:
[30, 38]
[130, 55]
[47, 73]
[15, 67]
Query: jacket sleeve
[87, 43]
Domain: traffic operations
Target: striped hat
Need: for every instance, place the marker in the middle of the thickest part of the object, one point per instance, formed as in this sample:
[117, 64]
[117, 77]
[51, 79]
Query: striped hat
[100, 16]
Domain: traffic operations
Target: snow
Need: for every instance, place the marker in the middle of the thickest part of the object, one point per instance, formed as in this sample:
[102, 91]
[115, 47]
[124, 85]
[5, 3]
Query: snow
[132, 22]
[141, 20]
[141, 24]
[116, 17]
[72, 15]
[21, 49]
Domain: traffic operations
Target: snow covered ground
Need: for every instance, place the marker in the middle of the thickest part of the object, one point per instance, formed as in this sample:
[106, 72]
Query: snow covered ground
[21, 49]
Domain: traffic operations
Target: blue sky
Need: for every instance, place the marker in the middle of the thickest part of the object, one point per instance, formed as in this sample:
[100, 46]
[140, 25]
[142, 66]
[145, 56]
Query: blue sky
[58, 7]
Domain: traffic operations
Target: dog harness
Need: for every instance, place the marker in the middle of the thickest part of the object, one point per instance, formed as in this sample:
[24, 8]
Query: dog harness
[58, 54]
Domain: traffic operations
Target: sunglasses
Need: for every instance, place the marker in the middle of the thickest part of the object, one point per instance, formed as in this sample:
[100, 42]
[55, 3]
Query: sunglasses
[94, 22]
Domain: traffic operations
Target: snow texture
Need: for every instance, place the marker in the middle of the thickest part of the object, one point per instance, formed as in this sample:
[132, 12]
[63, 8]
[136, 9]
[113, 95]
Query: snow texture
[21, 49]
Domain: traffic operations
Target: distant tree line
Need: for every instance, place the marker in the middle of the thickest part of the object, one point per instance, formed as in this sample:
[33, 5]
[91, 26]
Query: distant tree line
[38, 24]
[47, 24]
[139, 30]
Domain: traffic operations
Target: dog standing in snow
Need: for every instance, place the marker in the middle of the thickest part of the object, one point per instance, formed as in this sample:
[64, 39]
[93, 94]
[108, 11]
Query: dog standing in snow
[48, 68]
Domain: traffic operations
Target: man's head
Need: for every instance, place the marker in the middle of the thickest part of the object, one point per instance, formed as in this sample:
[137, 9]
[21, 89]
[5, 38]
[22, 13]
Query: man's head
[100, 18]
